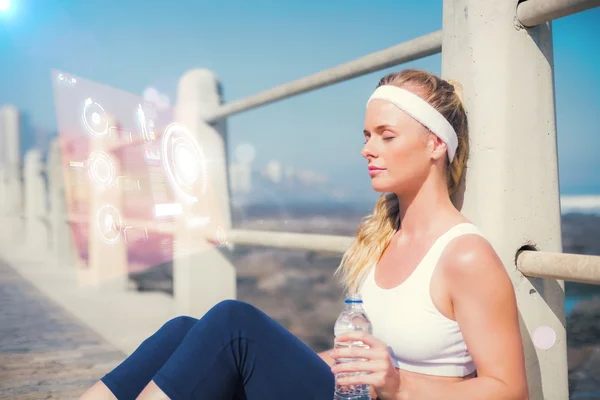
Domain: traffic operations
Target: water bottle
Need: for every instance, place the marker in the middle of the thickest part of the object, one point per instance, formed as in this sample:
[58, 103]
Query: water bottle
[352, 318]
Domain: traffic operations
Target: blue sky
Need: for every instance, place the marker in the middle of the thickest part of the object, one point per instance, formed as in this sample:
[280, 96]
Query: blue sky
[255, 45]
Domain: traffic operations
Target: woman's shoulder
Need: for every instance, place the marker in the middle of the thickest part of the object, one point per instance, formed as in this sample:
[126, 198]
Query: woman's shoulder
[468, 257]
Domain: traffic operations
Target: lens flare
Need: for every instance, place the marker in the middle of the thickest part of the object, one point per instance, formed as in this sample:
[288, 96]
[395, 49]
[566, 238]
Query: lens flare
[4, 5]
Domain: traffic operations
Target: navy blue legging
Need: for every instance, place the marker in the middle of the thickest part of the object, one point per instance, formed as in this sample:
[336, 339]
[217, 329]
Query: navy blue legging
[235, 351]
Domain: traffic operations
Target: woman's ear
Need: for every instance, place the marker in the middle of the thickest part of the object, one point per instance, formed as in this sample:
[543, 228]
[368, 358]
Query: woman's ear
[437, 146]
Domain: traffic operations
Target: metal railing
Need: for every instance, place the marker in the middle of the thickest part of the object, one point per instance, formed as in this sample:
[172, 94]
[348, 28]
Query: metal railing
[571, 267]
[561, 266]
[529, 13]
[535, 12]
[336, 244]
[411, 50]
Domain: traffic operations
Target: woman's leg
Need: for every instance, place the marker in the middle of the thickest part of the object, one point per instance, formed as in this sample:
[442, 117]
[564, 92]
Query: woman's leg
[128, 379]
[237, 351]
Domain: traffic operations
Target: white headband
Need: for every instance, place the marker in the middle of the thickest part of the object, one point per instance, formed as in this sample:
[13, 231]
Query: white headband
[420, 110]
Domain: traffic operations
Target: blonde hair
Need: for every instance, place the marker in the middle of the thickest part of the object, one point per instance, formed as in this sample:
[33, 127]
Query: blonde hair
[376, 230]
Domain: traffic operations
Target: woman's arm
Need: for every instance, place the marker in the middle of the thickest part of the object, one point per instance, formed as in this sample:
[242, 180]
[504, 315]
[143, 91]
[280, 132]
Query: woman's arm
[485, 308]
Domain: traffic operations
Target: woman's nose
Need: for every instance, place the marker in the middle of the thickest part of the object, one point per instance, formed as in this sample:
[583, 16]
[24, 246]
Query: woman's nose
[368, 150]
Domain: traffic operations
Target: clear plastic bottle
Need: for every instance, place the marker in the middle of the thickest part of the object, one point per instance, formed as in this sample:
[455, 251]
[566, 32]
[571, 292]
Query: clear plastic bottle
[352, 318]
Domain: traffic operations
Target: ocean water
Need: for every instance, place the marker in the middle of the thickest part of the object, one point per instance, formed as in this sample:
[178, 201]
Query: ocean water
[586, 203]
[572, 301]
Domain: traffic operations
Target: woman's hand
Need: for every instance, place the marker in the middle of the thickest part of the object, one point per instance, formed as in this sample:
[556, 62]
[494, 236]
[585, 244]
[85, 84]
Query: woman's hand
[382, 376]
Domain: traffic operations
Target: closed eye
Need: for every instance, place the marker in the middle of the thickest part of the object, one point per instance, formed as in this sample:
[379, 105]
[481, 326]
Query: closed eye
[367, 136]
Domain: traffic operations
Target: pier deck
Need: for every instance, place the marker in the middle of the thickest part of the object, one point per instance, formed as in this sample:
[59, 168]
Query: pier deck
[45, 353]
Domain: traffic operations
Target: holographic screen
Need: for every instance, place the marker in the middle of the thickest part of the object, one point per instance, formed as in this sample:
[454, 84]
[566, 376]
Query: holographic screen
[133, 176]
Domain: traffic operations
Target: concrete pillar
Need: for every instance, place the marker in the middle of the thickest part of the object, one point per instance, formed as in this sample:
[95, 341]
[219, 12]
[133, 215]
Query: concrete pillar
[107, 250]
[10, 119]
[11, 208]
[4, 193]
[3, 188]
[205, 277]
[511, 188]
[2, 142]
[61, 236]
[3, 182]
[11, 188]
[36, 216]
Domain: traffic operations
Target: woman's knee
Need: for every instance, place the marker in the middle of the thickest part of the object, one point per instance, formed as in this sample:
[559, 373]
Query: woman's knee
[234, 312]
[178, 325]
[233, 307]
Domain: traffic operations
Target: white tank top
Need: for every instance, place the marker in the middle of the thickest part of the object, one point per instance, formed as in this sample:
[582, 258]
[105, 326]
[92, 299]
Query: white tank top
[420, 339]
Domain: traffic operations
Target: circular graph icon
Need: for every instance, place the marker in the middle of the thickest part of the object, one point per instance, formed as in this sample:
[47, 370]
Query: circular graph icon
[100, 168]
[109, 223]
[94, 118]
[184, 163]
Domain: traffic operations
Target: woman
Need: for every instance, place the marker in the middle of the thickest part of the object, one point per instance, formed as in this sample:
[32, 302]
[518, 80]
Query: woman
[445, 321]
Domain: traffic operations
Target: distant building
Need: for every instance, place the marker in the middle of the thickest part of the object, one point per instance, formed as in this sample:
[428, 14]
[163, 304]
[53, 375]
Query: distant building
[274, 171]
[240, 175]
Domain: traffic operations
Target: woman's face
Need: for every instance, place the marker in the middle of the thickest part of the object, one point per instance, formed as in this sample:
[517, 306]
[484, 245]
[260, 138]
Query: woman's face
[398, 149]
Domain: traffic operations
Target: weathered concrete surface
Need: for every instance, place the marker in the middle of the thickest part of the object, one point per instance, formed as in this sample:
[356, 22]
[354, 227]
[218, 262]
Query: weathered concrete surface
[45, 353]
[122, 318]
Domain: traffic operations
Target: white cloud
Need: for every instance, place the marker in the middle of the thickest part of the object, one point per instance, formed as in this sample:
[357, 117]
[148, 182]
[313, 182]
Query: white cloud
[160, 100]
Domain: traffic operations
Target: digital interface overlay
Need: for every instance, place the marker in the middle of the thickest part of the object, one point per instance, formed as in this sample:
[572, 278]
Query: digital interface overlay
[131, 170]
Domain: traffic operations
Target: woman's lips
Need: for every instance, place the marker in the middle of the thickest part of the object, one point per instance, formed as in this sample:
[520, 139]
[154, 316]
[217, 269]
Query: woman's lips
[375, 171]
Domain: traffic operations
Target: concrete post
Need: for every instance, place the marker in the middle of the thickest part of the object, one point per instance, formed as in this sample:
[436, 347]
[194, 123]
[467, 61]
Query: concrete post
[15, 205]
[204, 278]
[12, 188]
[512, 176]
[4, 195]
[61, 236]
[3, 173]
[107, 250]
[10, 119]
[36, 216]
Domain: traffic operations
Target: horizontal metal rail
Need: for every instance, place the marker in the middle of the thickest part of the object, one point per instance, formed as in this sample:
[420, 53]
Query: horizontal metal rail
[535, 12]
[288, 240]
[414, 49]
[561, 266]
